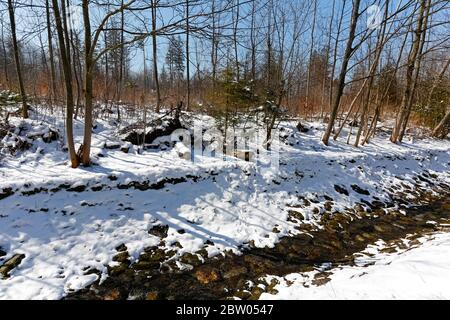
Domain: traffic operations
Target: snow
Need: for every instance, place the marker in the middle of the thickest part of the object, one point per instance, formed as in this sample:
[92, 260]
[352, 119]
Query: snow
[231, 202]
[420, 273]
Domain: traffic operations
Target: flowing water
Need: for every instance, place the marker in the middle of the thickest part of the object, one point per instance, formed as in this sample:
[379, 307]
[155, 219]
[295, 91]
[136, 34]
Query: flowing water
[341, 236]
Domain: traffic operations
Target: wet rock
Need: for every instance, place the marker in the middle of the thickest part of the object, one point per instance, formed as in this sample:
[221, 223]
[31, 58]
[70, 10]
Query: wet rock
[256, 293]
[328, 205]
[191, 259]
[321, 278]
[2, 252]
[177, 244]
[121, 248]
[10, 264]
[271, 286]
[203, 253]
[146, 265]
[235, 272]
[258, 264]
[117, 270]
[341, 190]
[159, 231]
[114, 294]
[152, 295]
[243, 294]
[360, 190]
[155, 254]
[122, 257]
[296, 215]
[306, 202]
[207, 274]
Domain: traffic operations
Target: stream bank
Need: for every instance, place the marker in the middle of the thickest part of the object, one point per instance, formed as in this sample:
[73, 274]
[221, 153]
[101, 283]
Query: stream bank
[335, 240]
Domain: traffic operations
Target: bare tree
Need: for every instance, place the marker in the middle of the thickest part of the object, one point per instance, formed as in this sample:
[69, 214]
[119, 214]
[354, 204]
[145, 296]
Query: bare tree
[155, 55]
[23, 95]
[412, 68]
[50, 51]
[345, 61]
[65, 59]
[188, 73]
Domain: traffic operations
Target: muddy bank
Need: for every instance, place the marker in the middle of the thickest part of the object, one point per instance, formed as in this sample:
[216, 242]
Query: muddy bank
[335, 240]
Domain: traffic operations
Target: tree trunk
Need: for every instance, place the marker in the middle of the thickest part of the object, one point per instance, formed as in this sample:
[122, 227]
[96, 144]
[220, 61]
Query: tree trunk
[417, 67]
[341, 84]
[437, 81]
[51, 54]
[439, 131]
[188, 74]
[311, 50]
[327, 61]
[379, 48]
[155, 58]
[411, 68]
[88, 88]
[336, 45]
[65, 59]
[12, 20]
[5, 57]
[235, 30]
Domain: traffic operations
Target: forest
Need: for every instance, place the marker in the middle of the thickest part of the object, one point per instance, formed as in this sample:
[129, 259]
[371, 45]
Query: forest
[243, 149]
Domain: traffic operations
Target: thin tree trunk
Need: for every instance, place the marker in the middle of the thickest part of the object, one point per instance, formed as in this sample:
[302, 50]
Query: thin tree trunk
[417, 67]
[311, 49]
[214, 44]
[336, 45]
[352, 105]
[155, 57]
[412, 62]
[51, 54]
[188, 74]
[373, 69]
[65, 59]
[23, 95]
[235, 30]
[122, 58]
[5, 57]
[327, 61]
[439, 132]
[88, 88]
[341, 84]
[437, 81]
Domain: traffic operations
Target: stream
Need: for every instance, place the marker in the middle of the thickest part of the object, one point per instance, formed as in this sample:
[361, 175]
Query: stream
[336, 240]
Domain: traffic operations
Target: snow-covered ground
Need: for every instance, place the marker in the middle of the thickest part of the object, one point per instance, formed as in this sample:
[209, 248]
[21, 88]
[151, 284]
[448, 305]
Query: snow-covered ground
[63, 233]
[422, 272]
